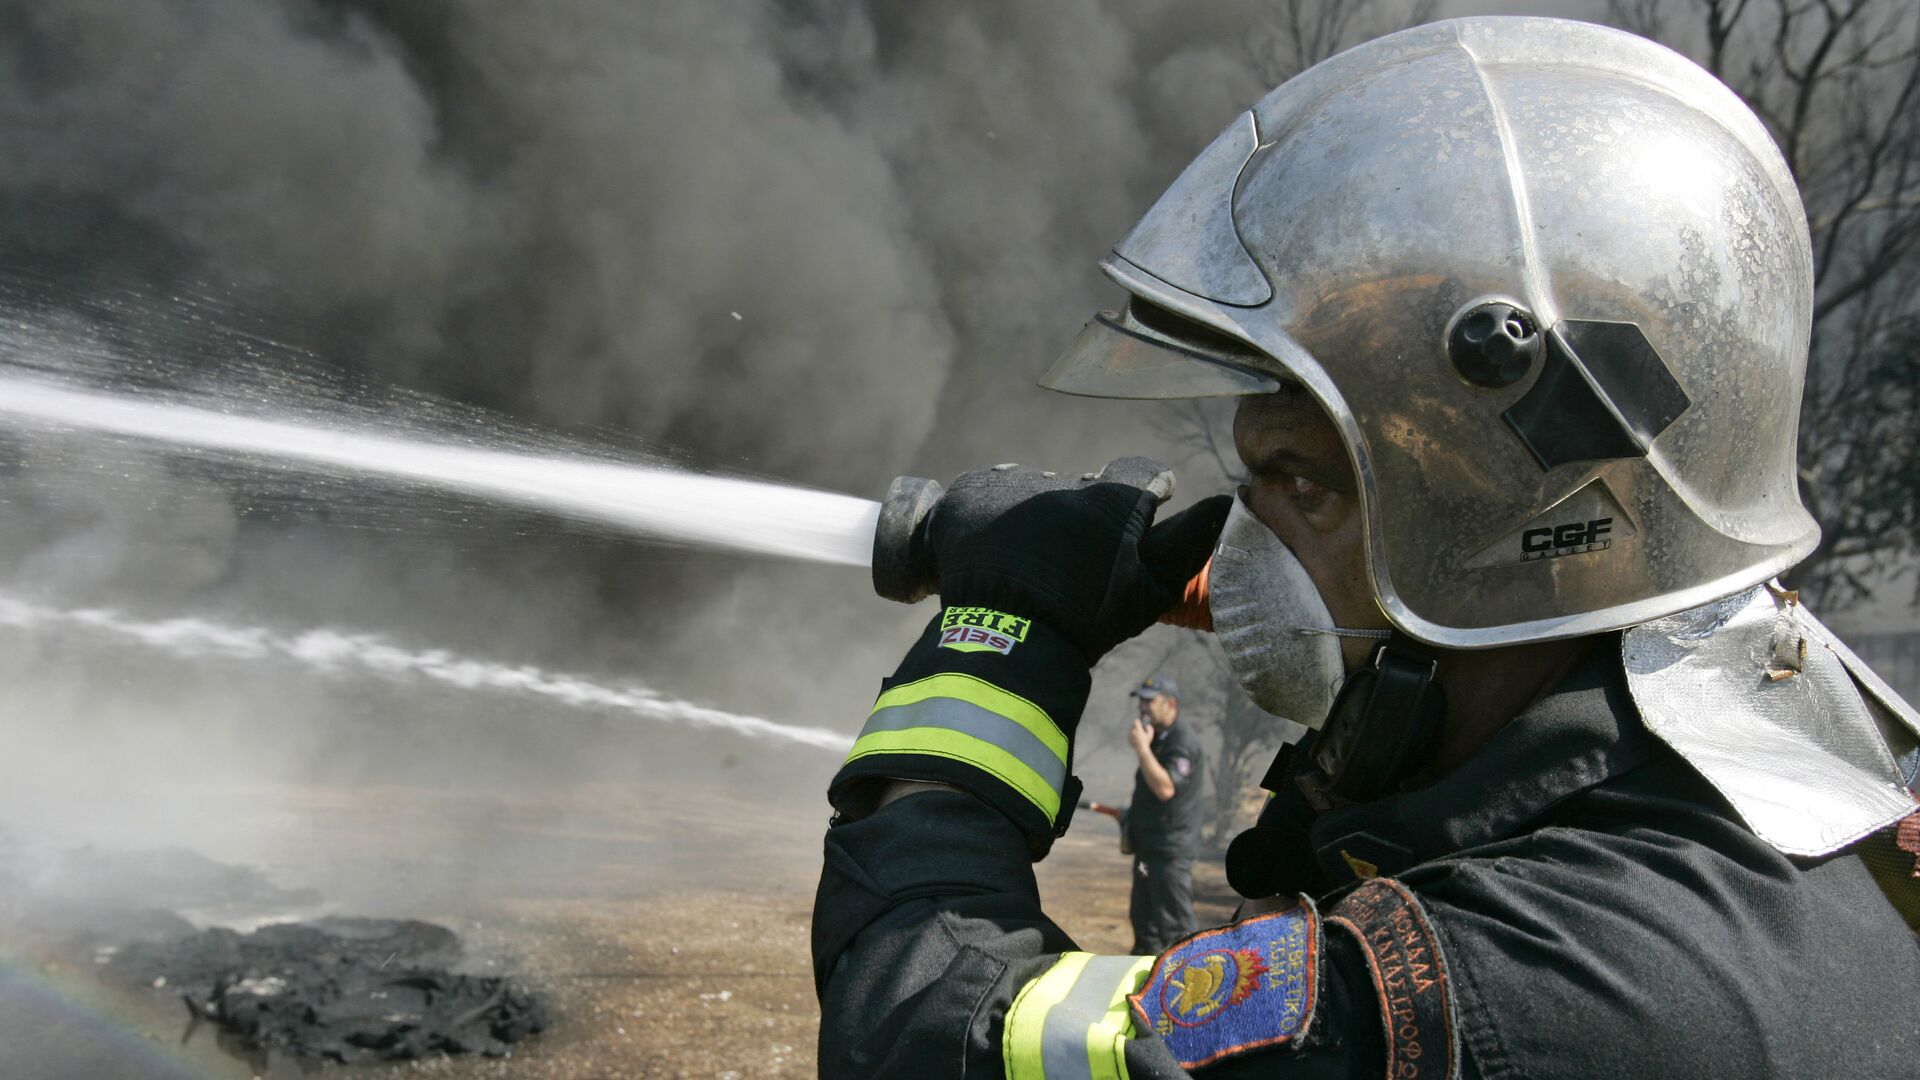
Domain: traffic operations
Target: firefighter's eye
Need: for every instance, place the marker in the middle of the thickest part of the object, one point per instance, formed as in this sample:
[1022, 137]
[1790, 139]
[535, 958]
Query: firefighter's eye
[1306, 494]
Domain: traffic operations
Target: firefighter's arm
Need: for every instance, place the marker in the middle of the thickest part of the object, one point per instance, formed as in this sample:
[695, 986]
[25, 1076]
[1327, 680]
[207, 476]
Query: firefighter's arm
[928, 920]
[1140, 737]
[934, 960]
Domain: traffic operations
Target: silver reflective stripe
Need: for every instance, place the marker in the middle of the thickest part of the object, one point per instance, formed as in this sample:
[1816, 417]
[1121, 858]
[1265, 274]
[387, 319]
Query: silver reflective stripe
[983, 724]
[1066, 1048]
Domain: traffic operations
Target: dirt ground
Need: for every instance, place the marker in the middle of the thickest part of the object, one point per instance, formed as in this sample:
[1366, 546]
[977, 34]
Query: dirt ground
[716, 983]
[668, 934]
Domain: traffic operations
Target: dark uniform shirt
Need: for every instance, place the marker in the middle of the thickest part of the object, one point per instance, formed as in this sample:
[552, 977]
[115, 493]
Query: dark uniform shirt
[1169, 829]
[1584, 901]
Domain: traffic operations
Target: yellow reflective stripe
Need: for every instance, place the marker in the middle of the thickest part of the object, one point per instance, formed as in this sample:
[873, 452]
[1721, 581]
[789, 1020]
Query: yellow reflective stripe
[1107, 1037]
[1072, 1023]
[969, 719]
[1024, 1039]
[959, 746]
[987, 696]
[961, 718]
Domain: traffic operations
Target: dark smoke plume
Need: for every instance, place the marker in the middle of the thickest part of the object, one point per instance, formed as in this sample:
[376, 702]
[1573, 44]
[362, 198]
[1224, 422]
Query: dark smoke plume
[823, 241]
[826, 242]
[820, 240]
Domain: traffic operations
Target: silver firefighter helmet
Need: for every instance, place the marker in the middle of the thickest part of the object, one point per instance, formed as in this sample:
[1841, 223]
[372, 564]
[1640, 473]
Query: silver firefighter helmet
[1552, 284]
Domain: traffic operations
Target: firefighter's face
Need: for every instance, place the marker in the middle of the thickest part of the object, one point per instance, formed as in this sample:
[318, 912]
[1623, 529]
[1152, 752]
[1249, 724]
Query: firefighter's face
[1302, 487]
[1158, 710]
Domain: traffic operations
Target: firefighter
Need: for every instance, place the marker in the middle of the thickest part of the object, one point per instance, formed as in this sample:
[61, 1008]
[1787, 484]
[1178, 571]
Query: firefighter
[1517, 309]
[1163, 823]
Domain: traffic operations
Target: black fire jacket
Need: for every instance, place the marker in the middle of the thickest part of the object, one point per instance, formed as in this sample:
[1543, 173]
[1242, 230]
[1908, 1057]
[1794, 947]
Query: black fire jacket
[1574, 901]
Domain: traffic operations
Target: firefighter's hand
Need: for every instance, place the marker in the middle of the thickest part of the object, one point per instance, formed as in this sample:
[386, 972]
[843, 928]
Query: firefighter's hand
[1082, 556]
[1039, 577]
[1033, 591]
[1139, 736]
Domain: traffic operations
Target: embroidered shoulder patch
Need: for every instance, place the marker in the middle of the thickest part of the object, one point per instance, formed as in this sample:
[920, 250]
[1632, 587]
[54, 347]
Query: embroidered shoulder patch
[1242, 987]
[1409, 974]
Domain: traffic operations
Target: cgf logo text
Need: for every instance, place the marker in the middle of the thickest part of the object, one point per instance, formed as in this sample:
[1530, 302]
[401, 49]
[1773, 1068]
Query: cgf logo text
[1573, 538]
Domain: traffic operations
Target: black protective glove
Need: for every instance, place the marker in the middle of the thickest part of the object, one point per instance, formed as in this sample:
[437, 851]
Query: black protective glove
[1084, 558]
[1039, 577]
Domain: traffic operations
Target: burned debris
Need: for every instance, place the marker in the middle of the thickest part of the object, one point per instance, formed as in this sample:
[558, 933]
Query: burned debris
[344, 990]
[335, 988]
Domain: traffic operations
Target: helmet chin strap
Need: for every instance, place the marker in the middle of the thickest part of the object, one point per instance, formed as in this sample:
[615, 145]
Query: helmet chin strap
[1380, 729]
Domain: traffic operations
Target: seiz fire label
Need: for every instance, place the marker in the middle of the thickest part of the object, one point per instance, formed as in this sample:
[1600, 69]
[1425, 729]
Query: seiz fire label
[974, 629]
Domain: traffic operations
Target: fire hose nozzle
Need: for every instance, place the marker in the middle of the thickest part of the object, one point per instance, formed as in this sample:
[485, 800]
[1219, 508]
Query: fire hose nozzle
[904, 568]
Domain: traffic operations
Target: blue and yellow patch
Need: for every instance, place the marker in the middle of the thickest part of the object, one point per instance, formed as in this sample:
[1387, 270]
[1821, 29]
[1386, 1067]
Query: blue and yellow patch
[1242, 987]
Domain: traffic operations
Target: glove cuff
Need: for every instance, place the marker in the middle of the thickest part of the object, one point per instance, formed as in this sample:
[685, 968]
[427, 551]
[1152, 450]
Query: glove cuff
[985, 701]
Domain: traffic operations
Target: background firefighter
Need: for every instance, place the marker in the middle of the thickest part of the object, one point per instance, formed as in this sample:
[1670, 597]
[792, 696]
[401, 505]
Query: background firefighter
[1163, 823]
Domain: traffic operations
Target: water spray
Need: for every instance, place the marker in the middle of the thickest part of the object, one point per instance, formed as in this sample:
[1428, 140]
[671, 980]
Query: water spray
[890, 536]
[669, 504]
[330, 652]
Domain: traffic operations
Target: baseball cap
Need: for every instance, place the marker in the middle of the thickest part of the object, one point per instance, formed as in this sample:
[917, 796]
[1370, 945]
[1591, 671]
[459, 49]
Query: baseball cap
[1155, 686]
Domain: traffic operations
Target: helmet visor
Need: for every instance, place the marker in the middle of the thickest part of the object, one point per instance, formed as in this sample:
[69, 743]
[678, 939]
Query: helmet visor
[1141, 352]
